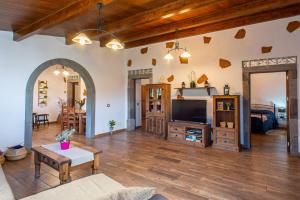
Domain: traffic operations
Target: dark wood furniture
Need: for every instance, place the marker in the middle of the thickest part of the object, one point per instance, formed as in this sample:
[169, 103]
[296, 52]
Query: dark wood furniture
[42, 119]
[72, 118]
[178, 132]
[63, 164]
[226, 110]
[34, 121]
[158, 108]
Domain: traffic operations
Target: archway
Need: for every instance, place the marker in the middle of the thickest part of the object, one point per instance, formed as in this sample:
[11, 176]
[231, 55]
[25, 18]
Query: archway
[90, 107]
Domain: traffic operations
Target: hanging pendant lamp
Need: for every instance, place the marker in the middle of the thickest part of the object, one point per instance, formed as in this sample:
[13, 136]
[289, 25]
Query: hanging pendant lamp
[82, 39]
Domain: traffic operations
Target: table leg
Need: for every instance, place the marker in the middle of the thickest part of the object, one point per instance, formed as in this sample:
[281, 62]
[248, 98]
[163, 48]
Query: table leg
[96, 164]
[37, 165]
[64, 172]
[80, 124]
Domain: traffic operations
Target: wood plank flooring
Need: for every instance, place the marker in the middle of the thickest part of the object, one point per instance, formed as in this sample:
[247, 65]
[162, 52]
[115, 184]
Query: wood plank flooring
[177, 171]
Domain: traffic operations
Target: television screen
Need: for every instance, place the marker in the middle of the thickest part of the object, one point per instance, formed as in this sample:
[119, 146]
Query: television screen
[189, 110]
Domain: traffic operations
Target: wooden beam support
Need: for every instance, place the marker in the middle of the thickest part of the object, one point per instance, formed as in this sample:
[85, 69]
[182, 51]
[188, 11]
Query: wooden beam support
[57, 17]
[240, 21]
[158, 14]
[250, 8]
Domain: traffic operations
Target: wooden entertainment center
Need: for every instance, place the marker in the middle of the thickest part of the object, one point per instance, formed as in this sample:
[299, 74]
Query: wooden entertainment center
[191, 133]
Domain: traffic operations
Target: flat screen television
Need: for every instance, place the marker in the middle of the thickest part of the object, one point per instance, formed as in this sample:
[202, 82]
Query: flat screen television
[189, 110]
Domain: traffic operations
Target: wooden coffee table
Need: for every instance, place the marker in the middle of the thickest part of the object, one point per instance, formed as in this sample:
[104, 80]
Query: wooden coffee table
[65, 161]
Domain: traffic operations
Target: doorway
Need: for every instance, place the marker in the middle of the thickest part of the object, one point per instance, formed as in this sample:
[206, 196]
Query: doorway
[268, 112]
[134, 75]
[90, 87]
[140, 102]
[289, 66]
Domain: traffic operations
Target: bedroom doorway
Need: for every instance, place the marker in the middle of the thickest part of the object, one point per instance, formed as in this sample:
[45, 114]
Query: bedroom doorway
[287, 65]
[268, 112]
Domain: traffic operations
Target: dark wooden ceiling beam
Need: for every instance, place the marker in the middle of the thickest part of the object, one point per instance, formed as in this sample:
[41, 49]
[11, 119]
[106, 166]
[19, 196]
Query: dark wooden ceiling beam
[152, 15]
[233, 23]
[57, 17]
[250, 8]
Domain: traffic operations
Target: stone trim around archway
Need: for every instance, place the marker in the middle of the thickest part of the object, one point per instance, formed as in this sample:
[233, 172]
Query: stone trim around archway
[91, 92]
[292, 97]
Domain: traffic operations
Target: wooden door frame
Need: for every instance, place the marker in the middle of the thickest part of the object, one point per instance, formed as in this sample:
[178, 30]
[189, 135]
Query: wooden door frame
[131, 101]
[292, 100]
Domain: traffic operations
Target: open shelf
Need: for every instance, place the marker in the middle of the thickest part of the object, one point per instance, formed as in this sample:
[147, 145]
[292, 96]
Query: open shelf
[200, 89]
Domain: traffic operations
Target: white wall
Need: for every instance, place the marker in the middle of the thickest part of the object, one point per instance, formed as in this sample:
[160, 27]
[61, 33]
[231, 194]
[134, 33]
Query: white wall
[205, 58]
[269, 88]
[19, 59]
[56, 89]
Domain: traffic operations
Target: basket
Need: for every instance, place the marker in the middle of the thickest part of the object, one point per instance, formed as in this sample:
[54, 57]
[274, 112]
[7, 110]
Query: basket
[230, 124]
[222, 124]
[15, 153]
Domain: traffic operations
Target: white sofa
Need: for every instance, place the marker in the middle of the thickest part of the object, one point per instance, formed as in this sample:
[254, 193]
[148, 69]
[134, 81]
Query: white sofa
[96, 187]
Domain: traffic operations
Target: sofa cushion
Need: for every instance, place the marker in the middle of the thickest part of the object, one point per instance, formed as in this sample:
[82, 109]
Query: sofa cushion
[132, 193]
[5, 191]
[91, 187]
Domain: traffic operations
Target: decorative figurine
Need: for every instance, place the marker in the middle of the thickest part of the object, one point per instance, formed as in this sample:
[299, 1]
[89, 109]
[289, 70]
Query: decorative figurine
[193, 77]
[206, 84]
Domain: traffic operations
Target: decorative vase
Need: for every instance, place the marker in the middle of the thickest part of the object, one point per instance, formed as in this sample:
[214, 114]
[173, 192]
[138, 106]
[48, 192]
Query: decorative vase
[183, 85]
[64, 145]
[111, 130]
[192, 84]
[206, 84]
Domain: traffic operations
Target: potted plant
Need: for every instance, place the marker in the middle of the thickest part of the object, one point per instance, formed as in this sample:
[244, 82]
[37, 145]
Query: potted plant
[228, 105]
[111, 124]
[80, 103]
[64, 138]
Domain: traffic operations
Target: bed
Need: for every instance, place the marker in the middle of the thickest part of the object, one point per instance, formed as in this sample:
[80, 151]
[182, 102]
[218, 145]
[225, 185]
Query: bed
[263, 118]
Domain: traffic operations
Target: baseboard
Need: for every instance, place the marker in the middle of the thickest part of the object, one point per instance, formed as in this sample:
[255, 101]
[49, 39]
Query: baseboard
[108, 133]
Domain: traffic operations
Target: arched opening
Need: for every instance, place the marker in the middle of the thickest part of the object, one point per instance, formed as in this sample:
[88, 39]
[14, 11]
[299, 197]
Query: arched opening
[90, 87]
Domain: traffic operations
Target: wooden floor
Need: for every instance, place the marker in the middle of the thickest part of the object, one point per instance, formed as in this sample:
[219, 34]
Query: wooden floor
[177, 171]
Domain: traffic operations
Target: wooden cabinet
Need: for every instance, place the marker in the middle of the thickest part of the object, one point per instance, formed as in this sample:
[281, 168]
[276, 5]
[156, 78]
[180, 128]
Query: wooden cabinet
[158, 108]
[226, 122]
[180, 131]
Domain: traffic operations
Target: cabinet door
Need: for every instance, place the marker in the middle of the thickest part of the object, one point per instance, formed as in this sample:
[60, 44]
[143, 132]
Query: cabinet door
[159, 105]
[160, 126]
[150, 125]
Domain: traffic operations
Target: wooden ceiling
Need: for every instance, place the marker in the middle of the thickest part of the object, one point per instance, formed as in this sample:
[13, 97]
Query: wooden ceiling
[138, 22]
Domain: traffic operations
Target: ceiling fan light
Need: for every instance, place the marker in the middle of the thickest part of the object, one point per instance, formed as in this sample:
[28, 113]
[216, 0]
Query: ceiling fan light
[115, 44]
[169, 56]
[82, 39]
[185, 54]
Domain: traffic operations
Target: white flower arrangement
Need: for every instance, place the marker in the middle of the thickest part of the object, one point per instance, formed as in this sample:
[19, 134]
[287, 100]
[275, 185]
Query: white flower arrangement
[65, 135]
